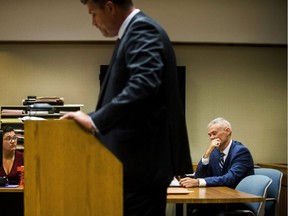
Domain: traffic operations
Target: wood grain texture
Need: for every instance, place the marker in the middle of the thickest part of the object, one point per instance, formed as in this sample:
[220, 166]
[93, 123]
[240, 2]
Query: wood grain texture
[213, 195]
[68, 172]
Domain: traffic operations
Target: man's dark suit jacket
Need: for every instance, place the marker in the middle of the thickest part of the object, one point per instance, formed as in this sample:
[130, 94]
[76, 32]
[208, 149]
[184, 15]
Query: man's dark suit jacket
[139, 113]
[238, 164]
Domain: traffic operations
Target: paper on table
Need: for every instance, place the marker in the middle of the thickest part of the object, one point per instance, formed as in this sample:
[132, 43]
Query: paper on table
[11, 186]
[31, 118]
[174, 183]
[177, 190]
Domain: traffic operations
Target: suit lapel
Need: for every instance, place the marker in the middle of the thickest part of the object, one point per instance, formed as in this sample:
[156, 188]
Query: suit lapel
[224, 170]
[117, 45]
[106, 77]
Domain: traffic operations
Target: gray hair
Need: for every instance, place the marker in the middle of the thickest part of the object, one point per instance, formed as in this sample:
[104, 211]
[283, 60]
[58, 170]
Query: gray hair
[221, 121]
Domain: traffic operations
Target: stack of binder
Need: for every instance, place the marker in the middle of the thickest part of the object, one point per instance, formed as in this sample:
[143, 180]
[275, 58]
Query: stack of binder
[50, 100]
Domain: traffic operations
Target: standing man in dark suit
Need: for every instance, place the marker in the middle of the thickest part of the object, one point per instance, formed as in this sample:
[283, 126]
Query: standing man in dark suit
[139, 115]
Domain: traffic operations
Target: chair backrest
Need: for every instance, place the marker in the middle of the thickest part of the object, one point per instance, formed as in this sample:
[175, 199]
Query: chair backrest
[273, 192]
[257, 185]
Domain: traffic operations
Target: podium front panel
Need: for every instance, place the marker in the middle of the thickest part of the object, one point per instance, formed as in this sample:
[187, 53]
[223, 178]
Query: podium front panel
[69, 172]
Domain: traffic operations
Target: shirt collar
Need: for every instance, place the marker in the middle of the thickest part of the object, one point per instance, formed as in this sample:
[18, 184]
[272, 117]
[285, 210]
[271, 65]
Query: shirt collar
[226, 150]
[126, 22]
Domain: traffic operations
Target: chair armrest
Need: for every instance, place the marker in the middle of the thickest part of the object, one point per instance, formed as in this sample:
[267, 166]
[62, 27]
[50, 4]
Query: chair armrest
[270, 199]
[235, 212]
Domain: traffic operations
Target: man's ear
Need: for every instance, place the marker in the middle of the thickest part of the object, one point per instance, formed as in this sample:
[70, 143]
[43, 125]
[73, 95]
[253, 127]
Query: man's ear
[228, 130]
[110, 6]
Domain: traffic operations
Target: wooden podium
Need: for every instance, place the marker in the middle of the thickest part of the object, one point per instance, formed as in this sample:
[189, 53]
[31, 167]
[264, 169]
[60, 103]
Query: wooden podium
[68, 172]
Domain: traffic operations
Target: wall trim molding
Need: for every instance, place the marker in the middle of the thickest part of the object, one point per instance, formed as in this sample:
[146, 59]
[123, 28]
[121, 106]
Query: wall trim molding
[108, 42]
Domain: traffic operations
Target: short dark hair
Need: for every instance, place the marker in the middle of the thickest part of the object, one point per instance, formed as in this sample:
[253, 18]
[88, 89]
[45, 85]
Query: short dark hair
[120, 3]
[84, 1]
[7, 129]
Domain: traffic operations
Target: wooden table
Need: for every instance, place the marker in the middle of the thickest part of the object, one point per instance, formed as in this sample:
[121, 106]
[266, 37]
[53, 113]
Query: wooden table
[196, 195]
[211, 195]
[18, 189]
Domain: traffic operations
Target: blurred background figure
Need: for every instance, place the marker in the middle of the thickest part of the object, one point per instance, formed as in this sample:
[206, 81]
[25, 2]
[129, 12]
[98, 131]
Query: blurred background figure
[11, 157]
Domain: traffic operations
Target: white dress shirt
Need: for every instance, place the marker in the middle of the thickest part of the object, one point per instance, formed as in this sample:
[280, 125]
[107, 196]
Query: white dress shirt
[205, 161]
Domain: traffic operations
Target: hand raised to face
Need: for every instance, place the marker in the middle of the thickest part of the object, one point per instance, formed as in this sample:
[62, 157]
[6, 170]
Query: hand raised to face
[216, 142]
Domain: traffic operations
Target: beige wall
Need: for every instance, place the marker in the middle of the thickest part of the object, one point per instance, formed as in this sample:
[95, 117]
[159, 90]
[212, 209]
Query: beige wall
[247, 84]
[243, 21]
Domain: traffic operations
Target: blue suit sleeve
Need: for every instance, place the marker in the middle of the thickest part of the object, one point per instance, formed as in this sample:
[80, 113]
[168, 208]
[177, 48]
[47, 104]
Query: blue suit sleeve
[239, 164]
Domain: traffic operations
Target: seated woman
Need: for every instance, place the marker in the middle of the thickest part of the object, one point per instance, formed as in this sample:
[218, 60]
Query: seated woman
[11, 157]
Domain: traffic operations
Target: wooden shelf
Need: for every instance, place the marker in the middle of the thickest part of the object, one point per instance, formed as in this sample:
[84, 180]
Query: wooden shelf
[13, 113]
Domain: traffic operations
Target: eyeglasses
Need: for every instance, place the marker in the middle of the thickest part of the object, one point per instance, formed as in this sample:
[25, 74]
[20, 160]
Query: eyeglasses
[9, 139]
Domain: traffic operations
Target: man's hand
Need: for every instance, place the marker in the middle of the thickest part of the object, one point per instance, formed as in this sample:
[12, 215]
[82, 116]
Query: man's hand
[216, 143]
[189, 182]
[81, 118]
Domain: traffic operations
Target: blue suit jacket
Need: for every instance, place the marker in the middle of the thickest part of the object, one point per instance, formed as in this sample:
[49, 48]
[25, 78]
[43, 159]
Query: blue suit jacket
[238, 164]
[139, 113]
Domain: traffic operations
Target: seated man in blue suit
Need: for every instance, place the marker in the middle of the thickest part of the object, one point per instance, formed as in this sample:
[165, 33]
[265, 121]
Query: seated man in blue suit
[237, 162]
[212, 170]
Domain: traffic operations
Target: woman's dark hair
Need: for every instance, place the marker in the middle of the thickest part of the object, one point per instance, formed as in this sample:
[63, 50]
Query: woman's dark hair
[7, 129]
[120, 3]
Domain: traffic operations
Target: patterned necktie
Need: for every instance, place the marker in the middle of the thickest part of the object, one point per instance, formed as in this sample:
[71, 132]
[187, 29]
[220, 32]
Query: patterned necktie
[221, 161]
